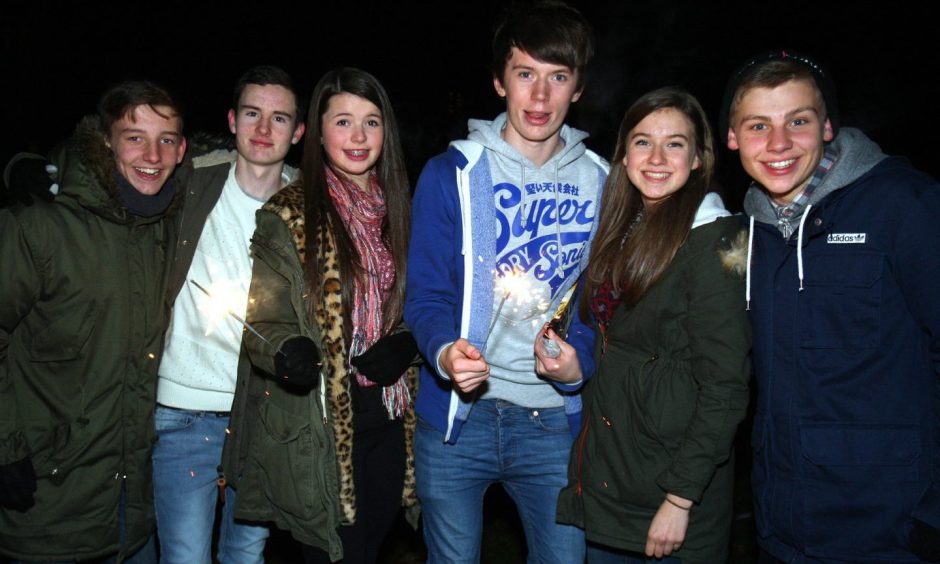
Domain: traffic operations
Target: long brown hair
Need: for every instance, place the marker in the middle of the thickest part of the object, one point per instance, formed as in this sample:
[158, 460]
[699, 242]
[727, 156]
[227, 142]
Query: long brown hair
[632, 264]
[320, 213]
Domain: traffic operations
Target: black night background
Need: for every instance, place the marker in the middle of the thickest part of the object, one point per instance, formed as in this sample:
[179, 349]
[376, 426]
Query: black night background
[433, 57]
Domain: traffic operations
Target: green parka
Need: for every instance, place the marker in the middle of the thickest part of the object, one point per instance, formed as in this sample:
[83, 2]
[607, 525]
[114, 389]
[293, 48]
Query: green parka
[280, 455]
[661, 412]
[81, 324]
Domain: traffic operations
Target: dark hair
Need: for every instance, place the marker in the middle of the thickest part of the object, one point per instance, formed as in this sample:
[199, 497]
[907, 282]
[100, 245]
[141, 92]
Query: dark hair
[773, 68]
[548, 30]
[634, 263]
[320, 212]
[263, 75]
[121, 99]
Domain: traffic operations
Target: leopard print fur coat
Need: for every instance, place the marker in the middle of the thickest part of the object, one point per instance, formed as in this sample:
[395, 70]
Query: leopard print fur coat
[289, 205]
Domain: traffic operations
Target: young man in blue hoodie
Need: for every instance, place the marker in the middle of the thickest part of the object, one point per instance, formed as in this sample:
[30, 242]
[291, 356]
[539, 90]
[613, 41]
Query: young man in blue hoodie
[846, 323]
[502, 224]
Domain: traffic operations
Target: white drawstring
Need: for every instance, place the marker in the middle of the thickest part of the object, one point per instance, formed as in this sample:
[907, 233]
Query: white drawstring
[799, 245]
[750, 249]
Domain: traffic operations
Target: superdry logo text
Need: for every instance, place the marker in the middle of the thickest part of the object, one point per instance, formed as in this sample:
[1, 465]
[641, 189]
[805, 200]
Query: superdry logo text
[845, 238]
[542, 231]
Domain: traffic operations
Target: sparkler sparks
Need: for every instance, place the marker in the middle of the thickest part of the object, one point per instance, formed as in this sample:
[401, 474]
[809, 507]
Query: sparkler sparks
[518, 292]
[220, 305]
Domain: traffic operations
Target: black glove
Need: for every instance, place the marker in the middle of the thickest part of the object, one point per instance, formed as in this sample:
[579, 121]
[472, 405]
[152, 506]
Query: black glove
[17, 484]
[298, 363]
[925, 541]
[27, 179]
[388, 358]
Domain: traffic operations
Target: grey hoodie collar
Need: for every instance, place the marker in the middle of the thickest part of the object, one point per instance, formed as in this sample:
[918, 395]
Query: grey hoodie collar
[857, 155]
[489, 134]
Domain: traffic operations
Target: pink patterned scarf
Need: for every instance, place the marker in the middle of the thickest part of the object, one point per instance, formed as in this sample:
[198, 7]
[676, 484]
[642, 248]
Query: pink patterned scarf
[362, 212]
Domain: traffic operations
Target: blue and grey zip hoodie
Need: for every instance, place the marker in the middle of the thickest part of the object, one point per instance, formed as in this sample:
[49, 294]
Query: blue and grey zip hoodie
[481, 212]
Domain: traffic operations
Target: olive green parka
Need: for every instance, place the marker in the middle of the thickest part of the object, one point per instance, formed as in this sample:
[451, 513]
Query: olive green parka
[82, 315]
[661, 412]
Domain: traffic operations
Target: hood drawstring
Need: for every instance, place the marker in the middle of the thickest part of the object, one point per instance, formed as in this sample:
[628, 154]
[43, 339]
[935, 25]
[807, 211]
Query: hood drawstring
[750, 250]
[559, 270]
[525, 219]
[799, 245]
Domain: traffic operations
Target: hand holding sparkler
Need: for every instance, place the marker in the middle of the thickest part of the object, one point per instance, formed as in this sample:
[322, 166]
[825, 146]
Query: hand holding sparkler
[465, 365]
[298, 363]
[563, 367]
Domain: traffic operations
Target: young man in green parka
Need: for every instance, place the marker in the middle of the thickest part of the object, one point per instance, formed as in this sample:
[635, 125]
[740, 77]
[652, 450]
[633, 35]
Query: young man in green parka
[81, 324]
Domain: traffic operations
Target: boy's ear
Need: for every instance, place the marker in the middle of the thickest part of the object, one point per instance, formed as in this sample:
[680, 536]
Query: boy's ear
[231, 120]
[732, 140]
[498, 85]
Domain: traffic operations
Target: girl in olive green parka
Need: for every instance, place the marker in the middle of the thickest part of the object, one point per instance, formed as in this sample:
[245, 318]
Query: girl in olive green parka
[651, 474]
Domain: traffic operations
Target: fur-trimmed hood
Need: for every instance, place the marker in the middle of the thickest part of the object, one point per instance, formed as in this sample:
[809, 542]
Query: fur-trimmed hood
[86, 172]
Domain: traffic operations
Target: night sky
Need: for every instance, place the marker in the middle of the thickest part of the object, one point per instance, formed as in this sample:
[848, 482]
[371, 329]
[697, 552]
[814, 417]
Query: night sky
[433, 58]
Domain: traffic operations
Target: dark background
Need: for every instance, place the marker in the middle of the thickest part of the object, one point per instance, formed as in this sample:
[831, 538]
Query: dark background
[433, 57]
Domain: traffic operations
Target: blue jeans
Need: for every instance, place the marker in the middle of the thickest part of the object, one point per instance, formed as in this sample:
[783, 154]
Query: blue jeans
[185, 473]
[524, 449]
[600, 554]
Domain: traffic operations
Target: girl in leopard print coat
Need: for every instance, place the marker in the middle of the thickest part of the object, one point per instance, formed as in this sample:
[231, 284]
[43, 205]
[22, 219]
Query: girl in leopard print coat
[327, 293]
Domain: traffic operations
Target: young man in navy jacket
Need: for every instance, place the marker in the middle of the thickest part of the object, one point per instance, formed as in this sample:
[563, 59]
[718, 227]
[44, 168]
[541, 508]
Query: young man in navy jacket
[843, 299]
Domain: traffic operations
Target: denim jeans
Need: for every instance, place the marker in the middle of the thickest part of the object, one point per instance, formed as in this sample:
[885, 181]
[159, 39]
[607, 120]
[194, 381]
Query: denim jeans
[600, 554]
[524, 449]
[185, 473]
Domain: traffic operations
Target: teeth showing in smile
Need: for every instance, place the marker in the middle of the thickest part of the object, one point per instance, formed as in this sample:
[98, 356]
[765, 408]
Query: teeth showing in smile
[150, 171]
[656, 175]
[780, 165]
[358, 153]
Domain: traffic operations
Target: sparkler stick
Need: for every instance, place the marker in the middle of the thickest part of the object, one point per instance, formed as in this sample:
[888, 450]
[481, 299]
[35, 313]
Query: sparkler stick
[235, 316]
[513, 283]
[496, 317]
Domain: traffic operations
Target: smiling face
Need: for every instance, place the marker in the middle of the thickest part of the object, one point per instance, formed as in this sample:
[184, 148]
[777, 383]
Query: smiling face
[781, 134]
[265, 124]
[538, 95]
[353, 134]
[147, 144]
[660, 154]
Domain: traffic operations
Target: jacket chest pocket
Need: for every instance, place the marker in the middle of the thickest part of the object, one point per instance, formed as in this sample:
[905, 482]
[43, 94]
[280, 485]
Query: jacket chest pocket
[840, 306]
[63, 334]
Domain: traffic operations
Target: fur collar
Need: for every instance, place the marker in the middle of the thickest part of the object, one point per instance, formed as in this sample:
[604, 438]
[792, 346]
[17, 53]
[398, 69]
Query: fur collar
[288, 204]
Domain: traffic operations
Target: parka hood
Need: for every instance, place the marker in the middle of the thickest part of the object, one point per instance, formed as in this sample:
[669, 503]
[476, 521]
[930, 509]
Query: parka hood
[86, 172]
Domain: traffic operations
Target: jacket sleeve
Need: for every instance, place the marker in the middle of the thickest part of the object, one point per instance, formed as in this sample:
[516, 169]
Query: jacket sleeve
[581, 337]
[432, 302]
[275, 298]
[20, 285]
[916, 264]
[720, 339]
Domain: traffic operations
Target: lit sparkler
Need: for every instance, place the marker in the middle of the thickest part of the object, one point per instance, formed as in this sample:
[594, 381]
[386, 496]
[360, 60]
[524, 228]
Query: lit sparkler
[222, 307]
[513, 285]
